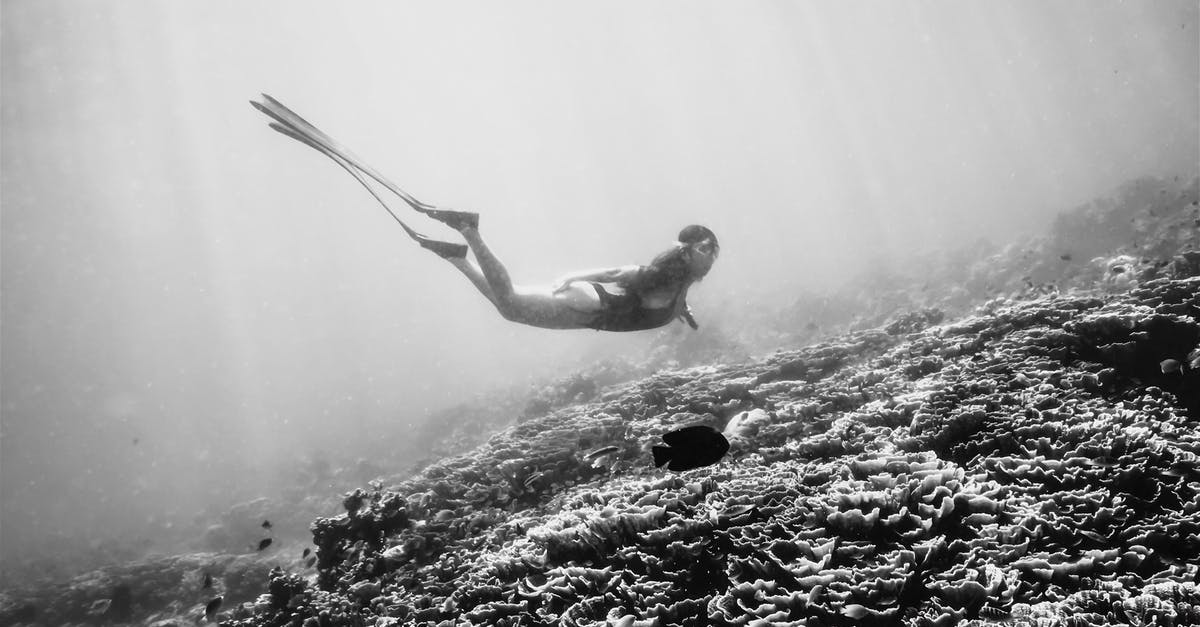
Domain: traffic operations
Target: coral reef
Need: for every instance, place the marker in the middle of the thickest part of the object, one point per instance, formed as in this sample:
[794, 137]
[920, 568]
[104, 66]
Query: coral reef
[1029, 461]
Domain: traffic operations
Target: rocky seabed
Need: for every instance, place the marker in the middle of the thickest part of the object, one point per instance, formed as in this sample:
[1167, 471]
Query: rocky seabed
[1029, 464]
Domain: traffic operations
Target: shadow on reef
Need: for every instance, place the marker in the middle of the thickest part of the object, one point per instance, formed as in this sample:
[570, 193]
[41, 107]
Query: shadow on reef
[1136, 349]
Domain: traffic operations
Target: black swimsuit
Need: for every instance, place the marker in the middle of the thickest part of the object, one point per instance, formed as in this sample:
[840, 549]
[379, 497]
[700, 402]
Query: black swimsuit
[624, 312]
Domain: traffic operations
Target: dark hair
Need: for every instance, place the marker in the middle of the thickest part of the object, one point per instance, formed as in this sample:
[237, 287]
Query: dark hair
[694, 233]
[670, 267]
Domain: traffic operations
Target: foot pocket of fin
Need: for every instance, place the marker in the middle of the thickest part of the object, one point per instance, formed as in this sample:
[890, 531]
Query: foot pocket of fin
[457, 220]
[446, 250]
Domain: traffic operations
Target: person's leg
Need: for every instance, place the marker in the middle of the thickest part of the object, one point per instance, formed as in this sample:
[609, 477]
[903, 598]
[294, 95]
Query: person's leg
[536, 306]
[494, 271]
[477, 279]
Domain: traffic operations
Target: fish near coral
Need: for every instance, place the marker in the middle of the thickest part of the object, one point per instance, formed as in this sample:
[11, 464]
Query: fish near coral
[602, 452]
[210, 610]
[605, 456]
[691, 447]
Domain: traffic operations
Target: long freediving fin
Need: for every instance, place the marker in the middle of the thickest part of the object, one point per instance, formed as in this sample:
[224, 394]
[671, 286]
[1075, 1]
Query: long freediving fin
[349, 168]
[447, 250]
[285, 116]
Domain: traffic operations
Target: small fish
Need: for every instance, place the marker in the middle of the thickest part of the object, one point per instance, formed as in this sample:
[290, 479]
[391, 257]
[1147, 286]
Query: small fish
[444, 515]
[739, 510]
[266, 524]
[312, 560]
[266, 542]
[207, 581]
[305, 553]
[691, 447]
[601, 452]
[1065, 256]
[1194, 359]
[210, 610]
[1169, 365]
[532, 479]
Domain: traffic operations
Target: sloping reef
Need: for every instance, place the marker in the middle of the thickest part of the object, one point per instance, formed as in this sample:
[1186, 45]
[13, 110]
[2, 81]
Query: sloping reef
[1034, 461]
[1030, 463]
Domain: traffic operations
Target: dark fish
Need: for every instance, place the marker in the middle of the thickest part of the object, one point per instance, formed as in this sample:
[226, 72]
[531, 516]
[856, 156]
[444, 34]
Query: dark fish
[207, 581]
[306, 552]
[210, 610]
[1117, 269]
[1169, 365]
[691, 447]
[135, 441]
[601, 452]
[1065, 257]
[312, 560]
[266, 542]
[266, 524]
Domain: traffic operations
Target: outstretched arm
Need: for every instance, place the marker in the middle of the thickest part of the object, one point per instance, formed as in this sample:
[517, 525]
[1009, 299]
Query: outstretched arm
[687, 317]
[605, 275]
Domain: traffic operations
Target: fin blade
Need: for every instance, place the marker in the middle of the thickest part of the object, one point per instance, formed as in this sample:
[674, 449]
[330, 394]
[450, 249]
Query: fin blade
[285, 116]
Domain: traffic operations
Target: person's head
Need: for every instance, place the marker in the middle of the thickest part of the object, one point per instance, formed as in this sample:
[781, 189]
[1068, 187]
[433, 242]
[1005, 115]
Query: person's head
[687, 261]
[702, 249]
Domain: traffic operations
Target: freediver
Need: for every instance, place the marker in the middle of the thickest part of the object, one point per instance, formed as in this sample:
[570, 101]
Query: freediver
[626, 298]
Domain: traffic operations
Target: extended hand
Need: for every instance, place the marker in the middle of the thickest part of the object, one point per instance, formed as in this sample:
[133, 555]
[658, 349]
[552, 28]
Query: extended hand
[687, 317]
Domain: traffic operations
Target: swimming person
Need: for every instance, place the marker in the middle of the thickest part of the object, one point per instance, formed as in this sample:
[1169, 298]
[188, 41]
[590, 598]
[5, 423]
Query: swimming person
[626, 298]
